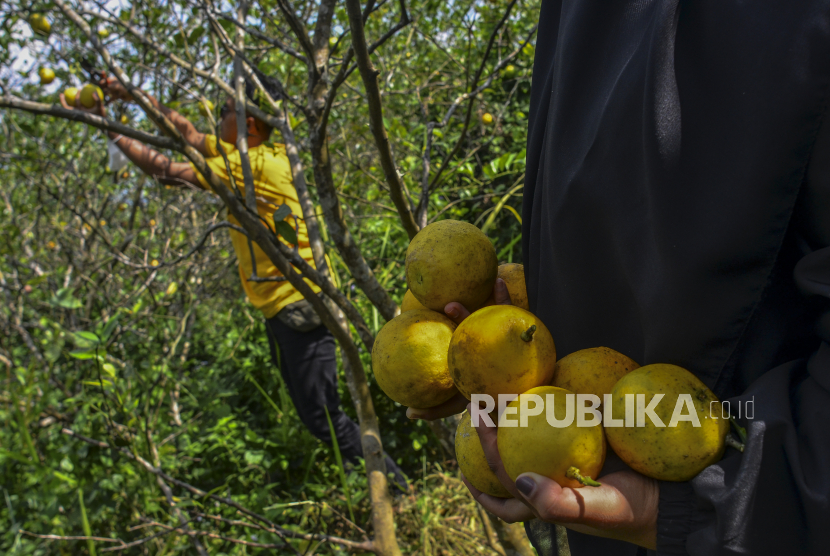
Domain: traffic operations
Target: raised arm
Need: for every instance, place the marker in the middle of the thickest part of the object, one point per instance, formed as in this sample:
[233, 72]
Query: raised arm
[193, 136]
[150, 161]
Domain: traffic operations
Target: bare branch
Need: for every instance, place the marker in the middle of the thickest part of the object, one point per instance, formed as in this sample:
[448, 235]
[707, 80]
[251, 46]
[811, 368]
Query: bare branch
[71, 538]
[9, 101]
[262, 36]
[475, 89]
[370, 82]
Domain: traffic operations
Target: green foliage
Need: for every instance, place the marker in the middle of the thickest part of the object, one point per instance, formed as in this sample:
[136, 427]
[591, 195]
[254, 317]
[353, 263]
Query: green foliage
[95, 340]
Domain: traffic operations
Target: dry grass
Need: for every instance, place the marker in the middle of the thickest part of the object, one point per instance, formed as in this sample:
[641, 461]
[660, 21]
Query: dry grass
[441, 519]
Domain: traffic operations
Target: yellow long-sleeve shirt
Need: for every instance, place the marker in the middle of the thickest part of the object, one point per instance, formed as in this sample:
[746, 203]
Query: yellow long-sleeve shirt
[274, 186]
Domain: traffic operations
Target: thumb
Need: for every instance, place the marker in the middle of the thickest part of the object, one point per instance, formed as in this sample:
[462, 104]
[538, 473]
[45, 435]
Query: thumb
[500, 293]
[592, 506]
[549, 500]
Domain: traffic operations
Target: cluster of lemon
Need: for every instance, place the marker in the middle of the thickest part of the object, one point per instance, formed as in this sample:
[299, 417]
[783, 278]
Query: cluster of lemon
[422, 359]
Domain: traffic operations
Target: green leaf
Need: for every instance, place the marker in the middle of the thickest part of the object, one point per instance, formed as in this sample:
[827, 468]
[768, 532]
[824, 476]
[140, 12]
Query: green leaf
[253, 458]
[85, 340]
[281, 213]
[100, 383]
[196, 35]
[64, 298]
[82, 354]
[90, 544]
[228, 26]
[109, 368]
[108, 329]
[287, 232]
[38, 279]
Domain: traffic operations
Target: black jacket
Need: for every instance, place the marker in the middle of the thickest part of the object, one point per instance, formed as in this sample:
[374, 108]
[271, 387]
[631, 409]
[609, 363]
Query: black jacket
[677, 209]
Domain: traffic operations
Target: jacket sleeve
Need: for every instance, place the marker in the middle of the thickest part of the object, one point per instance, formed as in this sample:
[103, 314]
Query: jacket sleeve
[775, 497]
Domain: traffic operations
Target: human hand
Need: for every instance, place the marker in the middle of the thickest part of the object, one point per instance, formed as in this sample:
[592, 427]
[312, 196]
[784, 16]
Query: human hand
[97, 108]
[115, 90]
[455, 405]
[623, 508]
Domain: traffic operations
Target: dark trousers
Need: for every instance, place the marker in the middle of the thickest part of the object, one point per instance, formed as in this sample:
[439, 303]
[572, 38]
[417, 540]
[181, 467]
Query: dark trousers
[308, 365]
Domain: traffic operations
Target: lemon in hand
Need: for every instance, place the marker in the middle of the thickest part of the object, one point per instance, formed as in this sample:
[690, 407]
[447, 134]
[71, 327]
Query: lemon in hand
[87, 98]
[409, 359]
[70, 94]
[501, 349]
[473, 463]
[692, 436]
[450, 260]
[592, 371]
[571, 455]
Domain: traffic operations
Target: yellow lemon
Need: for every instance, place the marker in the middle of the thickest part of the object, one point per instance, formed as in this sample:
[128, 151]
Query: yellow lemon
[87, 98]
[668, 453]
[592, 371]
[40, 25]
[409, 359]
[501, 349]
[487, 118]
[410, 303]
[47, 75]
[205, 107]
[472, 462]
[564, 453]
[154, 262]
[70, 94]
[448, 261]
[124, 119]
[514, 278]
[103, 32]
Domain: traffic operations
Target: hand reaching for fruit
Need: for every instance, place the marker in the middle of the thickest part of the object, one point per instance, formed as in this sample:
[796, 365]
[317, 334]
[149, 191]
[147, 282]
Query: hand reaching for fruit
[457, 313]
[115, 90]
[89, 99]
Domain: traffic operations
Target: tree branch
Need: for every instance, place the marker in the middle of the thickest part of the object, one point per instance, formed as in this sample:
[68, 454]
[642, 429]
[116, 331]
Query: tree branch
[370, 82]
[9, 101]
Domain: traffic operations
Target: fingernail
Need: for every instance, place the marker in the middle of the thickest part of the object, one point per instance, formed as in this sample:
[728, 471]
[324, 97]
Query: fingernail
[453, 312]
[525, 485]
[413, 414]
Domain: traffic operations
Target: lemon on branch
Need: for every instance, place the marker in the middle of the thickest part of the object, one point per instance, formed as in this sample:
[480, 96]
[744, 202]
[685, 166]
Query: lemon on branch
[40, 25]
[47, 75]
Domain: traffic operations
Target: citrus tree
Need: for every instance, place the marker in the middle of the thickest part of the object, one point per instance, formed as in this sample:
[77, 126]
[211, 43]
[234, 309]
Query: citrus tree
[127, 339]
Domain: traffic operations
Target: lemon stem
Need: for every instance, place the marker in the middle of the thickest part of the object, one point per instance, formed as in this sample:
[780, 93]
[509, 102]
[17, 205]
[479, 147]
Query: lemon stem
[738, 429]
[730, 441]
[527, 335]
[573, 473]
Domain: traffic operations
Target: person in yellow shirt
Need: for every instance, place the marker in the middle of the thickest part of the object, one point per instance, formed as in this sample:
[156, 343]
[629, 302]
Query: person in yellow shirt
[301, 347]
